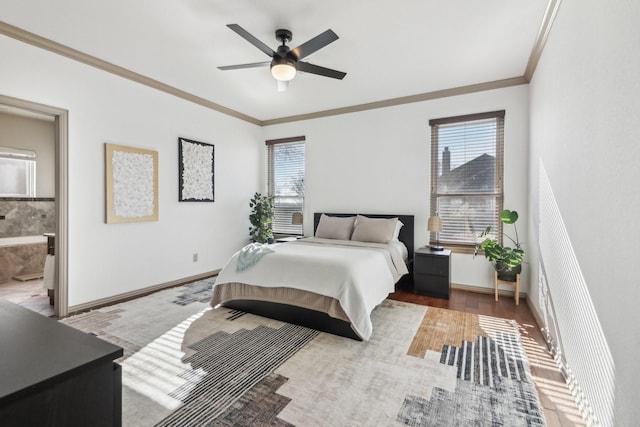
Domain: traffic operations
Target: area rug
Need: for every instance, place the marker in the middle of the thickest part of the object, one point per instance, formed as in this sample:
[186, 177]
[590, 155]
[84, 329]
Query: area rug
[187, 364]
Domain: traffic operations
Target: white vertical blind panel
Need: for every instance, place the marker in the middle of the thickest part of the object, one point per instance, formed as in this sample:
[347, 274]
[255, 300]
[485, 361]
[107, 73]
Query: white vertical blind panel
[583, 352]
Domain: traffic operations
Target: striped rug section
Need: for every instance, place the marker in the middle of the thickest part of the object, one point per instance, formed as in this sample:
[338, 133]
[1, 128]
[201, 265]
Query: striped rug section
[493, 387]
[199, 291]
[232, 364]
[487, 358]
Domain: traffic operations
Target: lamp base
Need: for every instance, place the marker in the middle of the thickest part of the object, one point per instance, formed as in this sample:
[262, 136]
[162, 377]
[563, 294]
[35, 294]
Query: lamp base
[436, 248]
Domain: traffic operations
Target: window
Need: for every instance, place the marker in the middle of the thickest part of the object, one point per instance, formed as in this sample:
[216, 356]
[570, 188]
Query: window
[466, 176]
[285, 169]
[17, 172]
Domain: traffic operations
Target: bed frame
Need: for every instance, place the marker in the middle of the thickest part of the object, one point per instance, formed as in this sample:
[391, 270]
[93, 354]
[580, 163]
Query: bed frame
[316, 319]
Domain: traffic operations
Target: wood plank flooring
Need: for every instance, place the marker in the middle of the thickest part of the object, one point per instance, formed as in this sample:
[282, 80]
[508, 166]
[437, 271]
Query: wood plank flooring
[558, 403]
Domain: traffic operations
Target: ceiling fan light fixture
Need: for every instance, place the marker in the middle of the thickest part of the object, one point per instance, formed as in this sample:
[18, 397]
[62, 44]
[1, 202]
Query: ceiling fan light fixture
[285, 62]
[283, 70]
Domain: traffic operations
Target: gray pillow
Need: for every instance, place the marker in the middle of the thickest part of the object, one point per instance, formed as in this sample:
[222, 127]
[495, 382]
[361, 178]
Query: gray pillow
[375, 230]
[333, 227]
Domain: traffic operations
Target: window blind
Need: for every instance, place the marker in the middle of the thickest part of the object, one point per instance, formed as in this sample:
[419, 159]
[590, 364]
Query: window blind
[285, 179]
[466, 176]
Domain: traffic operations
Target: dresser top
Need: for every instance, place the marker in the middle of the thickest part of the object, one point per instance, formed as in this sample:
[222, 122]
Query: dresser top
[37, 351]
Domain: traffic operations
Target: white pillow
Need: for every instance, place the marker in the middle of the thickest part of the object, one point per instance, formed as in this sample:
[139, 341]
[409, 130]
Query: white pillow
[396, 232]
[333, 227]
[375, 230]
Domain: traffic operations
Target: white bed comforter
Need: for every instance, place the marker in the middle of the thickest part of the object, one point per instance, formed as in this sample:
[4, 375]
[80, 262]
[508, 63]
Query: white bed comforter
[359, 275]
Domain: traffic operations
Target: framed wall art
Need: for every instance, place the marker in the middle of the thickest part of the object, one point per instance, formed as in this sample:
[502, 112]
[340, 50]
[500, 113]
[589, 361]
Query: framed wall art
[131, 184]
[195, 171]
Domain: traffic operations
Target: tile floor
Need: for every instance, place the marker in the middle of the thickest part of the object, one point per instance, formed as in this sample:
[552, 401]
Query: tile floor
[29, 294]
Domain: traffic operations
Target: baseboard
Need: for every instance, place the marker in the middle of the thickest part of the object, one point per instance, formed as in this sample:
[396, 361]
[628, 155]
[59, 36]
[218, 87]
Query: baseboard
[116, 299]
[485, 290]
[536, 316]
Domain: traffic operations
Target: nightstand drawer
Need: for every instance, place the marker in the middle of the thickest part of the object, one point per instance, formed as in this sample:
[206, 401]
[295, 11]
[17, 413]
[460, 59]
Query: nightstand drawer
[438, 266]
[434, 286]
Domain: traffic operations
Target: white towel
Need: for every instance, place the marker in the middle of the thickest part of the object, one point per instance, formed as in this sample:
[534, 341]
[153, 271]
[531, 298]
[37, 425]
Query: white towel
[49, 269]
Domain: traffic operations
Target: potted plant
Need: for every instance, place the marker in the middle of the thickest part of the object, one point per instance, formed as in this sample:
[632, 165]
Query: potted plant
[506, 260]
[261, 218]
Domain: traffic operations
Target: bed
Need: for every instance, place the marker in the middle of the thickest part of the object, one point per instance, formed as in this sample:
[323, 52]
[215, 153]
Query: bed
[330, 282]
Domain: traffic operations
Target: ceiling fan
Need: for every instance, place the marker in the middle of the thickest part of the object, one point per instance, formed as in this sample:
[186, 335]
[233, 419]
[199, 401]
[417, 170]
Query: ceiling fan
[285, 61]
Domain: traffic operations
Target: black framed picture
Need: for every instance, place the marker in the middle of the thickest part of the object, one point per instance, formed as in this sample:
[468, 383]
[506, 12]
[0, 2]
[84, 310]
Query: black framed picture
[196, 171]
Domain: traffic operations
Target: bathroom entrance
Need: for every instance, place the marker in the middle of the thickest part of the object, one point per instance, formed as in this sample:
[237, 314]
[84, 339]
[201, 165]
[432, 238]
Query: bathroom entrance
[33, 205]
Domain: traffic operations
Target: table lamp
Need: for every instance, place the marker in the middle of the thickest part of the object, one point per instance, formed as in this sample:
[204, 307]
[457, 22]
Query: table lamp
[435, 225]
[296, 218]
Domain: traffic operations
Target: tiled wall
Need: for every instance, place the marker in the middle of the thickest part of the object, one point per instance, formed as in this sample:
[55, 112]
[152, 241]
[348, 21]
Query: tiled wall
[27, 217]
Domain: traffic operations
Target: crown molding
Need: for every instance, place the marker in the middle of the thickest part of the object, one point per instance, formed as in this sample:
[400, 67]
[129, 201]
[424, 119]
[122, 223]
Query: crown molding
[462, 90]
[541, 38]
[60, 49]
[76, 55]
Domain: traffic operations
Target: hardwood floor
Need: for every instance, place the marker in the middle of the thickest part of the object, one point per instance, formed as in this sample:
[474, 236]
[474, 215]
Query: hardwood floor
[558, 403]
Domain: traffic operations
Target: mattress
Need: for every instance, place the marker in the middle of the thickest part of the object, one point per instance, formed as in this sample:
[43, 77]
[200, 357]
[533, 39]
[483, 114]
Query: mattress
[345, 279]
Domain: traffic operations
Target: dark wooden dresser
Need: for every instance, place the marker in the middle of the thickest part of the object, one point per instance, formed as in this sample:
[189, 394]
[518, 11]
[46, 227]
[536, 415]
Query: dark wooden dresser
[55, 375]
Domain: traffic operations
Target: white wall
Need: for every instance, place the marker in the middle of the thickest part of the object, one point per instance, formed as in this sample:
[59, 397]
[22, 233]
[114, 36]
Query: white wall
[585, 105]
[374, 161]
[377, 161]
[109, 259]
[37, 135]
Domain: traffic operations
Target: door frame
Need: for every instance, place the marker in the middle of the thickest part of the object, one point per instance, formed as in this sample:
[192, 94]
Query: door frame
[61, 120]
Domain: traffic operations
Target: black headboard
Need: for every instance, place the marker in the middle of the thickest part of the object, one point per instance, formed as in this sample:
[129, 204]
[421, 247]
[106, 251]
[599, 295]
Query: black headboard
[406, 232]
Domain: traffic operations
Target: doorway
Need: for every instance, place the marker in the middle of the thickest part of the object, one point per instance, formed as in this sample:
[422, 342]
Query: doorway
[60, 118]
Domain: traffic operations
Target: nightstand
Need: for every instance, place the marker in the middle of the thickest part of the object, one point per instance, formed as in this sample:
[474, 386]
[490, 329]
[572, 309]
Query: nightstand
[432, 272]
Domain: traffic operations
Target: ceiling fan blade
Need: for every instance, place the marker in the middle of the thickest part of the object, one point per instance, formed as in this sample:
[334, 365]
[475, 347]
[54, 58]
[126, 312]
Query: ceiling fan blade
[322, 71]
[316, 43]
[241, 66]
[251, 39]
[282, 86]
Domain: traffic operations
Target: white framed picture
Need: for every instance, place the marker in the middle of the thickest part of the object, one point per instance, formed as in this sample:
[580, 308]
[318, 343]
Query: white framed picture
[131, 184]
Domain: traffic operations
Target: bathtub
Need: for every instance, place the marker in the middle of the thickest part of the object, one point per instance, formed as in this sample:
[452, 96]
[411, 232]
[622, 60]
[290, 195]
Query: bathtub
[20, 256]
[21, 240]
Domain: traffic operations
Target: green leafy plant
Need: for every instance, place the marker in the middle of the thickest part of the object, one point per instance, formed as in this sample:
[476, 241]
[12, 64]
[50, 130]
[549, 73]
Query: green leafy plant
[502, 257]
[261, 218]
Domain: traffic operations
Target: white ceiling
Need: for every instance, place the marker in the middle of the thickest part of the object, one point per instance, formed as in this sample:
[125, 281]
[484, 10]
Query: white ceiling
[388, 49]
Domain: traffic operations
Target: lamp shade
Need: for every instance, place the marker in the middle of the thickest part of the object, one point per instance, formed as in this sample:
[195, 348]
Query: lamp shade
[296, 218]
[434, 223]
[282, 69]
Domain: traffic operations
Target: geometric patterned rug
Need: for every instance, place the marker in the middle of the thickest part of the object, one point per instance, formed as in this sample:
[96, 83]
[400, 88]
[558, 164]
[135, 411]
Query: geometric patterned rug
[186, 364]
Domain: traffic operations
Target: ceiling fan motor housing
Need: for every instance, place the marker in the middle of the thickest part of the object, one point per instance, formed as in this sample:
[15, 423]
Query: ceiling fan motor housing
[283, 35]
[283, 51]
